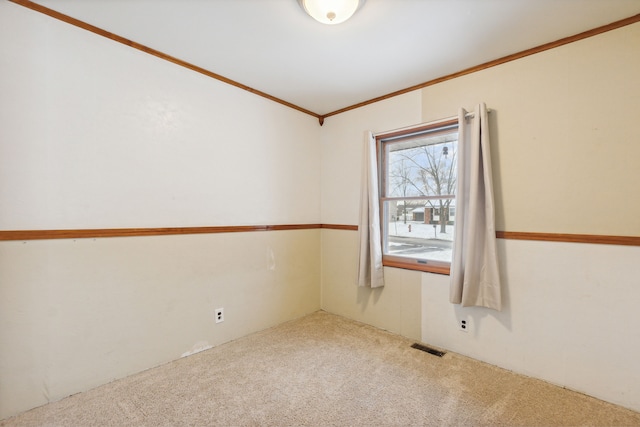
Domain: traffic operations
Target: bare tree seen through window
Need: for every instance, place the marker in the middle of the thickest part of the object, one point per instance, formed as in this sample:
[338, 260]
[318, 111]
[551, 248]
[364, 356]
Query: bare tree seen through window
[426, 169]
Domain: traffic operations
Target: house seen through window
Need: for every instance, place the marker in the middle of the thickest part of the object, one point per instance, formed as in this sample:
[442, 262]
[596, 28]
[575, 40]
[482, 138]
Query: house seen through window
[418, 177]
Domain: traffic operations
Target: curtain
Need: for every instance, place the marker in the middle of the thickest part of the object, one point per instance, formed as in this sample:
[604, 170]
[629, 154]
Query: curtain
[370, 271]
[474, 277]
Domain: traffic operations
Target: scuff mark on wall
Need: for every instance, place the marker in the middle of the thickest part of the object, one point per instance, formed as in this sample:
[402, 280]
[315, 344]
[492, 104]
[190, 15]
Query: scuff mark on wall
[45, 390]
[197, 348]
[271, 260]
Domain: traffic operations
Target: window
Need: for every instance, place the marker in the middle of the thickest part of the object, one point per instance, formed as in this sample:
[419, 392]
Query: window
[418, 174]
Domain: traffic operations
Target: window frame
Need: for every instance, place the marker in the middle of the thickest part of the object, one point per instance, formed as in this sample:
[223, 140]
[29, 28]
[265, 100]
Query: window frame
[430, 266]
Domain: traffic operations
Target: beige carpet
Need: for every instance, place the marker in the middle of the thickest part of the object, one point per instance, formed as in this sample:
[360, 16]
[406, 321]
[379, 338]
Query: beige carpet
[324, 370]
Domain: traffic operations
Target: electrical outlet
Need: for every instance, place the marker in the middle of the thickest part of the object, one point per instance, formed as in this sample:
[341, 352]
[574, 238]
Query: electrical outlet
[219, 315]
[464, 325]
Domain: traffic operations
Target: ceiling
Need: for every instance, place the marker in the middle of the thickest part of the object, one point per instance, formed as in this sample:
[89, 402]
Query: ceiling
[387, 46]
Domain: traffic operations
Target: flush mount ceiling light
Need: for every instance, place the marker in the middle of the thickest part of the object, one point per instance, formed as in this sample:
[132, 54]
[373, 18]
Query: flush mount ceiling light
[331, 11]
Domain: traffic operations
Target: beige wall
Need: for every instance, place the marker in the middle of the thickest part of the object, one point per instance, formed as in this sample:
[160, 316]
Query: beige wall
[564, 320]
[565, 142]
[396, 307]
[97, 135]
[559, 116]
[565, 161]
[79, 313]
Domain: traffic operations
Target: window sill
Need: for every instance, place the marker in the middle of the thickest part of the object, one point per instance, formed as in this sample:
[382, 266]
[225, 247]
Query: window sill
[413, 264]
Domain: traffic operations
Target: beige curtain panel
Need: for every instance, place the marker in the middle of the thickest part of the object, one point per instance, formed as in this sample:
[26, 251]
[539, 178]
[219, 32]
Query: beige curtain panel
[475, 279]
[370, 270]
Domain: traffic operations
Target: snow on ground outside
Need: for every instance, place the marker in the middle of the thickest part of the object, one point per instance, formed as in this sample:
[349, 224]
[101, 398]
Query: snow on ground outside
[420, 230]
[424, 231]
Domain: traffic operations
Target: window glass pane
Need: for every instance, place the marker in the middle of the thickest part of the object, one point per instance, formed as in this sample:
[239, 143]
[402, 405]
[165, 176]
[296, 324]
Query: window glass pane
[418, 194]
[422, 166]
[421, 229]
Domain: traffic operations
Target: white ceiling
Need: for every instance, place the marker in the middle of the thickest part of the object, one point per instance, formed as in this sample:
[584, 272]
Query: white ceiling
[389, 45]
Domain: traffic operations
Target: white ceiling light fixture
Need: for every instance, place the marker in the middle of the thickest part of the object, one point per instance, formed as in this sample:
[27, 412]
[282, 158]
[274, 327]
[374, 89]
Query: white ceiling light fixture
[331, 12]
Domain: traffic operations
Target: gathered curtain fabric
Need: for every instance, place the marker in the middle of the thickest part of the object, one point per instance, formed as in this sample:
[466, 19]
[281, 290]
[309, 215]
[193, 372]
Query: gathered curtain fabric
[370, 270]
[475, 279]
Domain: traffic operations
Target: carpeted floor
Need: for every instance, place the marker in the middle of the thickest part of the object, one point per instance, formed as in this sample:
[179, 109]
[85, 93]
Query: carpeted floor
[324, 370]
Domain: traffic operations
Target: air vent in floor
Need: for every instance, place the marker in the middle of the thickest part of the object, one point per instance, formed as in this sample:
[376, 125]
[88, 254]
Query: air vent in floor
[428, 349]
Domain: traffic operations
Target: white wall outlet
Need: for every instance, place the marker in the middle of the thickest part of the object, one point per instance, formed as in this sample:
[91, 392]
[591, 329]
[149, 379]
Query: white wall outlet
[219, 315]
[464, 325]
